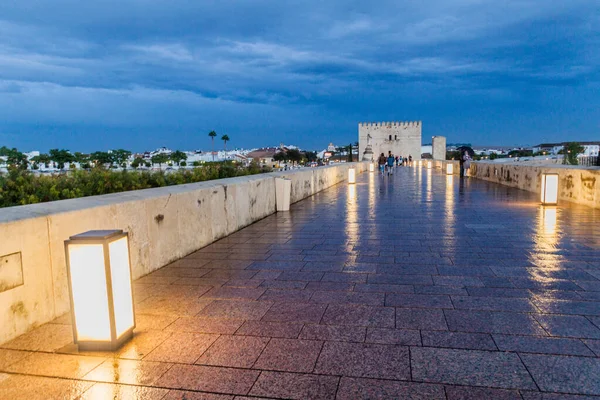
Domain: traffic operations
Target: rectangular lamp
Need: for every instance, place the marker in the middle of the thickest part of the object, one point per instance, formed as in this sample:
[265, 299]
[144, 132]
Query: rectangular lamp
[100, 289]
[428, 164]
[549, 192]
[449, 169]
[351, 175]
[371, 167]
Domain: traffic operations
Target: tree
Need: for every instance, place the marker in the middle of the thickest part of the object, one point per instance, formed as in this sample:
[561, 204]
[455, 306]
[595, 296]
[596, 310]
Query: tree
[520, 153]
[294, 155]
[41, 159]
[4, 151]
[82, 159]
[571, 150]
[213, 135]
[493, 156]
[121, 156]
[453, 155]
[280, 156]
[61, 157]
[137, 162]
[225, 139]
[102, 158]
[16, 160]
[178, 156]
[159, 159]
[311, 156]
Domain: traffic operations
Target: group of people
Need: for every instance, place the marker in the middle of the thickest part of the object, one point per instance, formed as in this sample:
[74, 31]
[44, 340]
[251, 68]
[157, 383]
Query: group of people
[388, 163]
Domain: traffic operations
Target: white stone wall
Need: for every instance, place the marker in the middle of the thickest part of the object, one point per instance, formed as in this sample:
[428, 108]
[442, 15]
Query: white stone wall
[164, 224]
[439, 148]
[579, 185]
[405, 138]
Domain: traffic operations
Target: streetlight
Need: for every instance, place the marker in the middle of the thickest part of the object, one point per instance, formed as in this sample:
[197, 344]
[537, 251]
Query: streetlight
[100, 289]
[351, 176]
[549, 190]
[428, 164]
[449, 169]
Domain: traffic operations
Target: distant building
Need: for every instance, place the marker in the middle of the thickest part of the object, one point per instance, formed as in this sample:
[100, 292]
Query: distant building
[589, 148]
[264, 156]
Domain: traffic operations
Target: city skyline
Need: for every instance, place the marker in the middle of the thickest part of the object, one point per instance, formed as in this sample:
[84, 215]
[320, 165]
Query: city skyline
[86, 77]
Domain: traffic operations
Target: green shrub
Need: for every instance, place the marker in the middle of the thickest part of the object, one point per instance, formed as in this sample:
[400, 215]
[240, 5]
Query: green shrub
[18, 187]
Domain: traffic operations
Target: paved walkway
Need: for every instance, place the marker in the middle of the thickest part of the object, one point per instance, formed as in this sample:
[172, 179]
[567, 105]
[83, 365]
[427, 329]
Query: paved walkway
[414, 286]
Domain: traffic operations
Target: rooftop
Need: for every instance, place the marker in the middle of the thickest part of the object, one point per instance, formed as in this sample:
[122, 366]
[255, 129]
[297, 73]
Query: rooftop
[416, 285]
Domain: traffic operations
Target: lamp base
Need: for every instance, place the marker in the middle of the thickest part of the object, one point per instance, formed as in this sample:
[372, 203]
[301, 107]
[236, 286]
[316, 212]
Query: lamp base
[106, 345]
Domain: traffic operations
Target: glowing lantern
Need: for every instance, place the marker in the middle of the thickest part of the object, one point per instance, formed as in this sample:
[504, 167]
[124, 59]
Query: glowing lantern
[428, 164]
[549, 193]
[100, 289]
[449, 169]
[371, 167]
[351, 175]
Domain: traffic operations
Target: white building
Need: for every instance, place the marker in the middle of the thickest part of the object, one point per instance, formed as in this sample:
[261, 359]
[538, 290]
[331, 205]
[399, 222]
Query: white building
[589, 148]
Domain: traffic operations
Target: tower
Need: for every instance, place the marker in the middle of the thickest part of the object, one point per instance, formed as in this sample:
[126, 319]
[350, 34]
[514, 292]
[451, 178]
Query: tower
[401, 138]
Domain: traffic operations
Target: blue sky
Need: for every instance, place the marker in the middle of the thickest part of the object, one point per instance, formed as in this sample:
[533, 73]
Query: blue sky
[138, 74]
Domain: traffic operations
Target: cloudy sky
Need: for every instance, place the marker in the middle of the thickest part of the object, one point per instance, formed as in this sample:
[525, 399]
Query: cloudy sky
[138, 74]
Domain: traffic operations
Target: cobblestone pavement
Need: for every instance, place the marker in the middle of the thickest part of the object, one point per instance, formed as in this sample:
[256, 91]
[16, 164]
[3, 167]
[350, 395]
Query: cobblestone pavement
[416, 286]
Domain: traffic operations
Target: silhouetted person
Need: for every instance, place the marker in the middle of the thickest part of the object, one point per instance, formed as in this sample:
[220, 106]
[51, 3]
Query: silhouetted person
[381, 162]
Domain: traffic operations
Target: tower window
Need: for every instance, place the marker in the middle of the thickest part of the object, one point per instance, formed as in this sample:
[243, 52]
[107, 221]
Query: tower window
[395, 137]
[390, 137]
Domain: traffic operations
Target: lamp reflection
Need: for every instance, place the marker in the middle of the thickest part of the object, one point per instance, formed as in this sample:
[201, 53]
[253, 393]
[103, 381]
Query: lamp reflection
[352, 214]
[544, 255]
[419, 173]
[449, 215]
[429, 186]
[549, 221]
[372, 196]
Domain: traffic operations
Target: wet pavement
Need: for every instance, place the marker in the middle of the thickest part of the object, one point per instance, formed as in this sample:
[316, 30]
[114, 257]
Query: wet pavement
[416, 286]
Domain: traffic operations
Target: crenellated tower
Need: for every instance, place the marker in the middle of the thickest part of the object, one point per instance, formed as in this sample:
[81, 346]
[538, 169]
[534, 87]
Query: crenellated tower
[401, 138]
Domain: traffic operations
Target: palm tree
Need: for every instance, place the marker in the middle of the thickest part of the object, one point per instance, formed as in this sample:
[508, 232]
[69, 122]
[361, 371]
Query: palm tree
[213, 135]
[225, 139]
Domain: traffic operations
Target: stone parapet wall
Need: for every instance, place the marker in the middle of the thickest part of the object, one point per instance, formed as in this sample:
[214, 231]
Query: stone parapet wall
[579, 185]
[164, 224]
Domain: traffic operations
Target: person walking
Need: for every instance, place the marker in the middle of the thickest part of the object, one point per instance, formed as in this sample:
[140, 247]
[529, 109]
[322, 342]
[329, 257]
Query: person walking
[390, 163]
[465, 163]
[381, 162]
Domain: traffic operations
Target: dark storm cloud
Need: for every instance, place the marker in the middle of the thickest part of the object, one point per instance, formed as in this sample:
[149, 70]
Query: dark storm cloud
[304, 72]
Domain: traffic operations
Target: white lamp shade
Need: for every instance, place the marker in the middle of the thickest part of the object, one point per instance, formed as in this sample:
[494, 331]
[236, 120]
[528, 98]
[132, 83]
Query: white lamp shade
[549, 190]
[449, 169]
[351, 175]
[100, 288]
